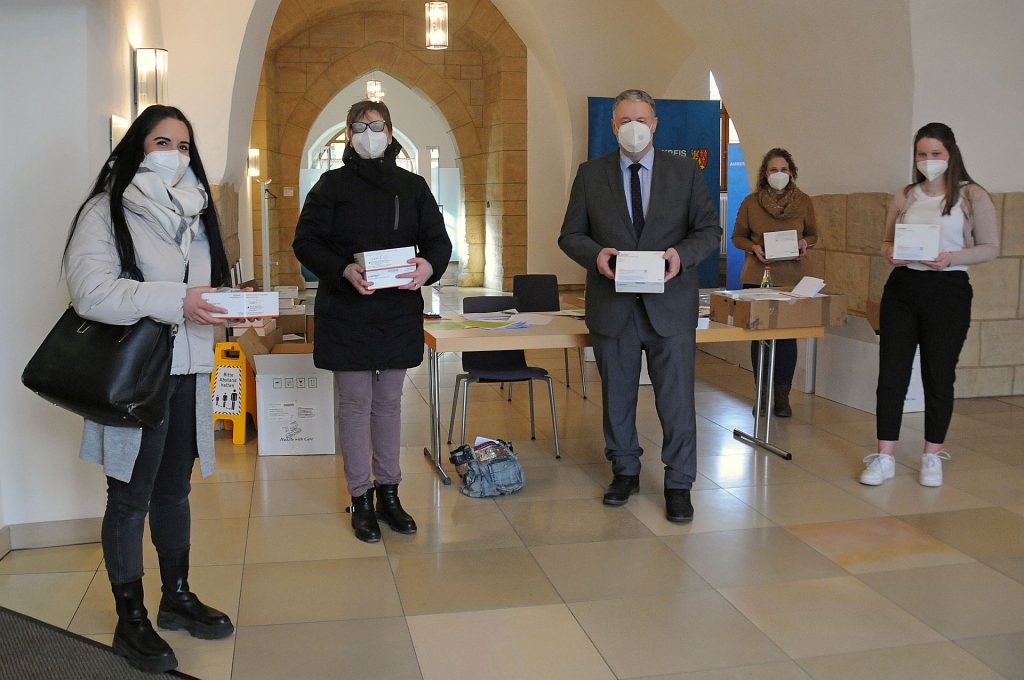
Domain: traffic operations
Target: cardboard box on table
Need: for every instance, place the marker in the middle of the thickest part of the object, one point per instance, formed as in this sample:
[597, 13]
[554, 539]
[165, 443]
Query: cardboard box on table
[294, 398]
[792, 312]
[846, 368]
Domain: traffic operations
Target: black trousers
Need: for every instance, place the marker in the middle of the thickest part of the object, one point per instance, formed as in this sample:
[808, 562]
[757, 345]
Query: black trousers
[160, 485]
[785, 358]
[930, 310]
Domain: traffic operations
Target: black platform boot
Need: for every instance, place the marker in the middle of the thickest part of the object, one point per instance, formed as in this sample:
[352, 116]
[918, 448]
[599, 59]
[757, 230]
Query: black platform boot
[364, 521]
[134, 637]
[390, 509]
[180, 608]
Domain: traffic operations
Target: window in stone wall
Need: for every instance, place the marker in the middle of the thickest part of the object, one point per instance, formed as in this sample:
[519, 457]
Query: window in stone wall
[330, 154]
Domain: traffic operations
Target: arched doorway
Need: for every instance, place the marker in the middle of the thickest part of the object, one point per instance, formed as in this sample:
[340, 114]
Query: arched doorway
[428, 148]
[478, 87]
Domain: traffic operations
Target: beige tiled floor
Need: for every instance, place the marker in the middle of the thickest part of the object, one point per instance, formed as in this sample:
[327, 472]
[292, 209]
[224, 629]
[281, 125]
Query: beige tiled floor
[790, 569]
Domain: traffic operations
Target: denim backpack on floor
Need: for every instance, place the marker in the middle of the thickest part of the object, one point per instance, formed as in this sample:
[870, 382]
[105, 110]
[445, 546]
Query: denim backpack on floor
[489, 469]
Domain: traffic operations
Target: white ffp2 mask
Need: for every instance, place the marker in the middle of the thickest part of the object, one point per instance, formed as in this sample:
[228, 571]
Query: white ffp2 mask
[370, 144]
[634, 136]
[932, 168]
[170, 165]
[778, 180]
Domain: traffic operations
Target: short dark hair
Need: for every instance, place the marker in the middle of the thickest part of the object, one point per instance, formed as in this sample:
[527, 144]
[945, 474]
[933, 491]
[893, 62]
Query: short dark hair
[777, 152]
[956, 173]
[359, 109]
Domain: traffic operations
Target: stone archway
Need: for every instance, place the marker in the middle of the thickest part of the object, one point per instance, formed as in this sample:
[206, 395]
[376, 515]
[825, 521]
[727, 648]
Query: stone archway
[478, 85]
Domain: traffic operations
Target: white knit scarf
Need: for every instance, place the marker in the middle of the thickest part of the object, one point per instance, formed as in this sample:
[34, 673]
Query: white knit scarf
[175, 208]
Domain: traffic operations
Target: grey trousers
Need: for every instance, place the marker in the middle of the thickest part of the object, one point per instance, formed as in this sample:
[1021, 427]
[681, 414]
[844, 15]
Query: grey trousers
[670, 363]
[368, 410]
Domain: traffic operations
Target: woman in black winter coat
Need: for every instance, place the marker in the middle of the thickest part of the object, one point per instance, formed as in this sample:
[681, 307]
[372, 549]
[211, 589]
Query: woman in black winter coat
[369, 337]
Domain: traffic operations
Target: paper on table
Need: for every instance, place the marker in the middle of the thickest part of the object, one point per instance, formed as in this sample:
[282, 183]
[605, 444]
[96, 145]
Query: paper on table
[502, 315]
[531, 319]
[496, 325]
[808, 287]
[758, 294]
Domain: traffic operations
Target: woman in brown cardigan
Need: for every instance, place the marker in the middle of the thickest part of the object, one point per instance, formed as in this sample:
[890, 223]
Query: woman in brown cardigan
[777, 205]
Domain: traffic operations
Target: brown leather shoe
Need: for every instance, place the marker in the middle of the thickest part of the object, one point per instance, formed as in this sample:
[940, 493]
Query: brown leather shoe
[621, 488]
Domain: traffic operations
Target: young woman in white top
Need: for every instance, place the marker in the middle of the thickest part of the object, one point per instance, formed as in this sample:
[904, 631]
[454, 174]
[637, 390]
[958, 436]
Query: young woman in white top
[927, 305]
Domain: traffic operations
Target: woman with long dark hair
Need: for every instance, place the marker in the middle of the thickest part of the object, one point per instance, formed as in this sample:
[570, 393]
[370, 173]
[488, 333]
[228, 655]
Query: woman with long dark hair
[369, 337]
[146, 243]
[777, 205]
[927, 305]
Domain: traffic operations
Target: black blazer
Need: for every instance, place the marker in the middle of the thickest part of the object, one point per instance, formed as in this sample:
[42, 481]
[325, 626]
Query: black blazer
[680, 215]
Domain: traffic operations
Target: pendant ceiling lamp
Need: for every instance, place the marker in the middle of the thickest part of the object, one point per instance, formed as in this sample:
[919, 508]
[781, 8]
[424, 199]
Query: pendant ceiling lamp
[437, 25]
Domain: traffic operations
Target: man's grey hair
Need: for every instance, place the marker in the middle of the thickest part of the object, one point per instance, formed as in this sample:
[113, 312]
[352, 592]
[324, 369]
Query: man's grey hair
[635, 95]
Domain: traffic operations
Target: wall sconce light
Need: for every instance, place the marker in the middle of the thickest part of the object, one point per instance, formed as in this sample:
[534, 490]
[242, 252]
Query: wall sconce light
[150, 77]
[374, 90]
[437, 25]
[254, 163]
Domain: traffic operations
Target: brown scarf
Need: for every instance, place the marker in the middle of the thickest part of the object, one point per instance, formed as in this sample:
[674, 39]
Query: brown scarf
[780, 205]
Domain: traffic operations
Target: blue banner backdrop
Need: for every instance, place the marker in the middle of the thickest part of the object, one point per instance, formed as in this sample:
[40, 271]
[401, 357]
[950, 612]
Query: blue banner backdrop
[739, 188]
[689, 128]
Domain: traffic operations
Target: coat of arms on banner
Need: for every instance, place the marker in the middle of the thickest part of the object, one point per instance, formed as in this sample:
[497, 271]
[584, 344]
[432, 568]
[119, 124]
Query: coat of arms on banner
[701, 156]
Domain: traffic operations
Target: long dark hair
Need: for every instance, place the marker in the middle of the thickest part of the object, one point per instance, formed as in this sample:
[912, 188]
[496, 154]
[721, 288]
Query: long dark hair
[762, 180]
[956, 173]
[117, 173]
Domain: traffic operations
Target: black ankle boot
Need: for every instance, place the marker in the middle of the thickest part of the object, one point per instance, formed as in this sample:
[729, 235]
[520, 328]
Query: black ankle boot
[390, 509]
[364, 521]
[781, 406]
[134, 637]
[180, 608]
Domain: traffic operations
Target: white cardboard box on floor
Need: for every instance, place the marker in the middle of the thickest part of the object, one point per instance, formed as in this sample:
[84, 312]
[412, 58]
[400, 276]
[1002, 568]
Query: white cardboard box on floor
[294, 405]
[846, 368]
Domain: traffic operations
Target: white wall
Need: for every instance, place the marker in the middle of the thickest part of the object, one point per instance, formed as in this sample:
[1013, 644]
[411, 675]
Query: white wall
[546, 179]
[969, 74]
[56, 107]
[610, 48]
[215, 54]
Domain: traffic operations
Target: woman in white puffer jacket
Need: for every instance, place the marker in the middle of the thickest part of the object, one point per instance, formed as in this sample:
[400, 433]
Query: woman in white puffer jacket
[146, 243]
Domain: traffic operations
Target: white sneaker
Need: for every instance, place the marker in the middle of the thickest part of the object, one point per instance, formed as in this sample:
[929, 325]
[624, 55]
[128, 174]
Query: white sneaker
[931, 468]
[880, 467]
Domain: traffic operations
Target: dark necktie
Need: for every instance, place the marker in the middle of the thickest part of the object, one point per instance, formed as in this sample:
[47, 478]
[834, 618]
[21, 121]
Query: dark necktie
[636, 198]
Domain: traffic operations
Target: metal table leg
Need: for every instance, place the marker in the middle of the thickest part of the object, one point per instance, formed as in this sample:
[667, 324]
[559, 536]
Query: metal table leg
[435, 416]
[755, 439]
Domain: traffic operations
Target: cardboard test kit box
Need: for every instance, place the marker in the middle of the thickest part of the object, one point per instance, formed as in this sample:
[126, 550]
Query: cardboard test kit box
[294, 398]
[382, 266]
[730, 307]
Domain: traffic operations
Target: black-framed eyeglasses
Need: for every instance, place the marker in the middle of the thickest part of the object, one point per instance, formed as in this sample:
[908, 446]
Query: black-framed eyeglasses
[375, 125]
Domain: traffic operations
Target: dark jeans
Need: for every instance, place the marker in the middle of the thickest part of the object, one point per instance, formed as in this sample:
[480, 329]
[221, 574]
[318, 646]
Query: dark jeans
[160, 485]
[785, 358]
[932, 310]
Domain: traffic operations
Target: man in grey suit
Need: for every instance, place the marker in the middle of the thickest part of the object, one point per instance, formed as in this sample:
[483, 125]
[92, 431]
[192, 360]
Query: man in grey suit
[641, 199]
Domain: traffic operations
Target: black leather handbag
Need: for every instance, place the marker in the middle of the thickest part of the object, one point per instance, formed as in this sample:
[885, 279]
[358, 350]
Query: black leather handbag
[113, 375]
